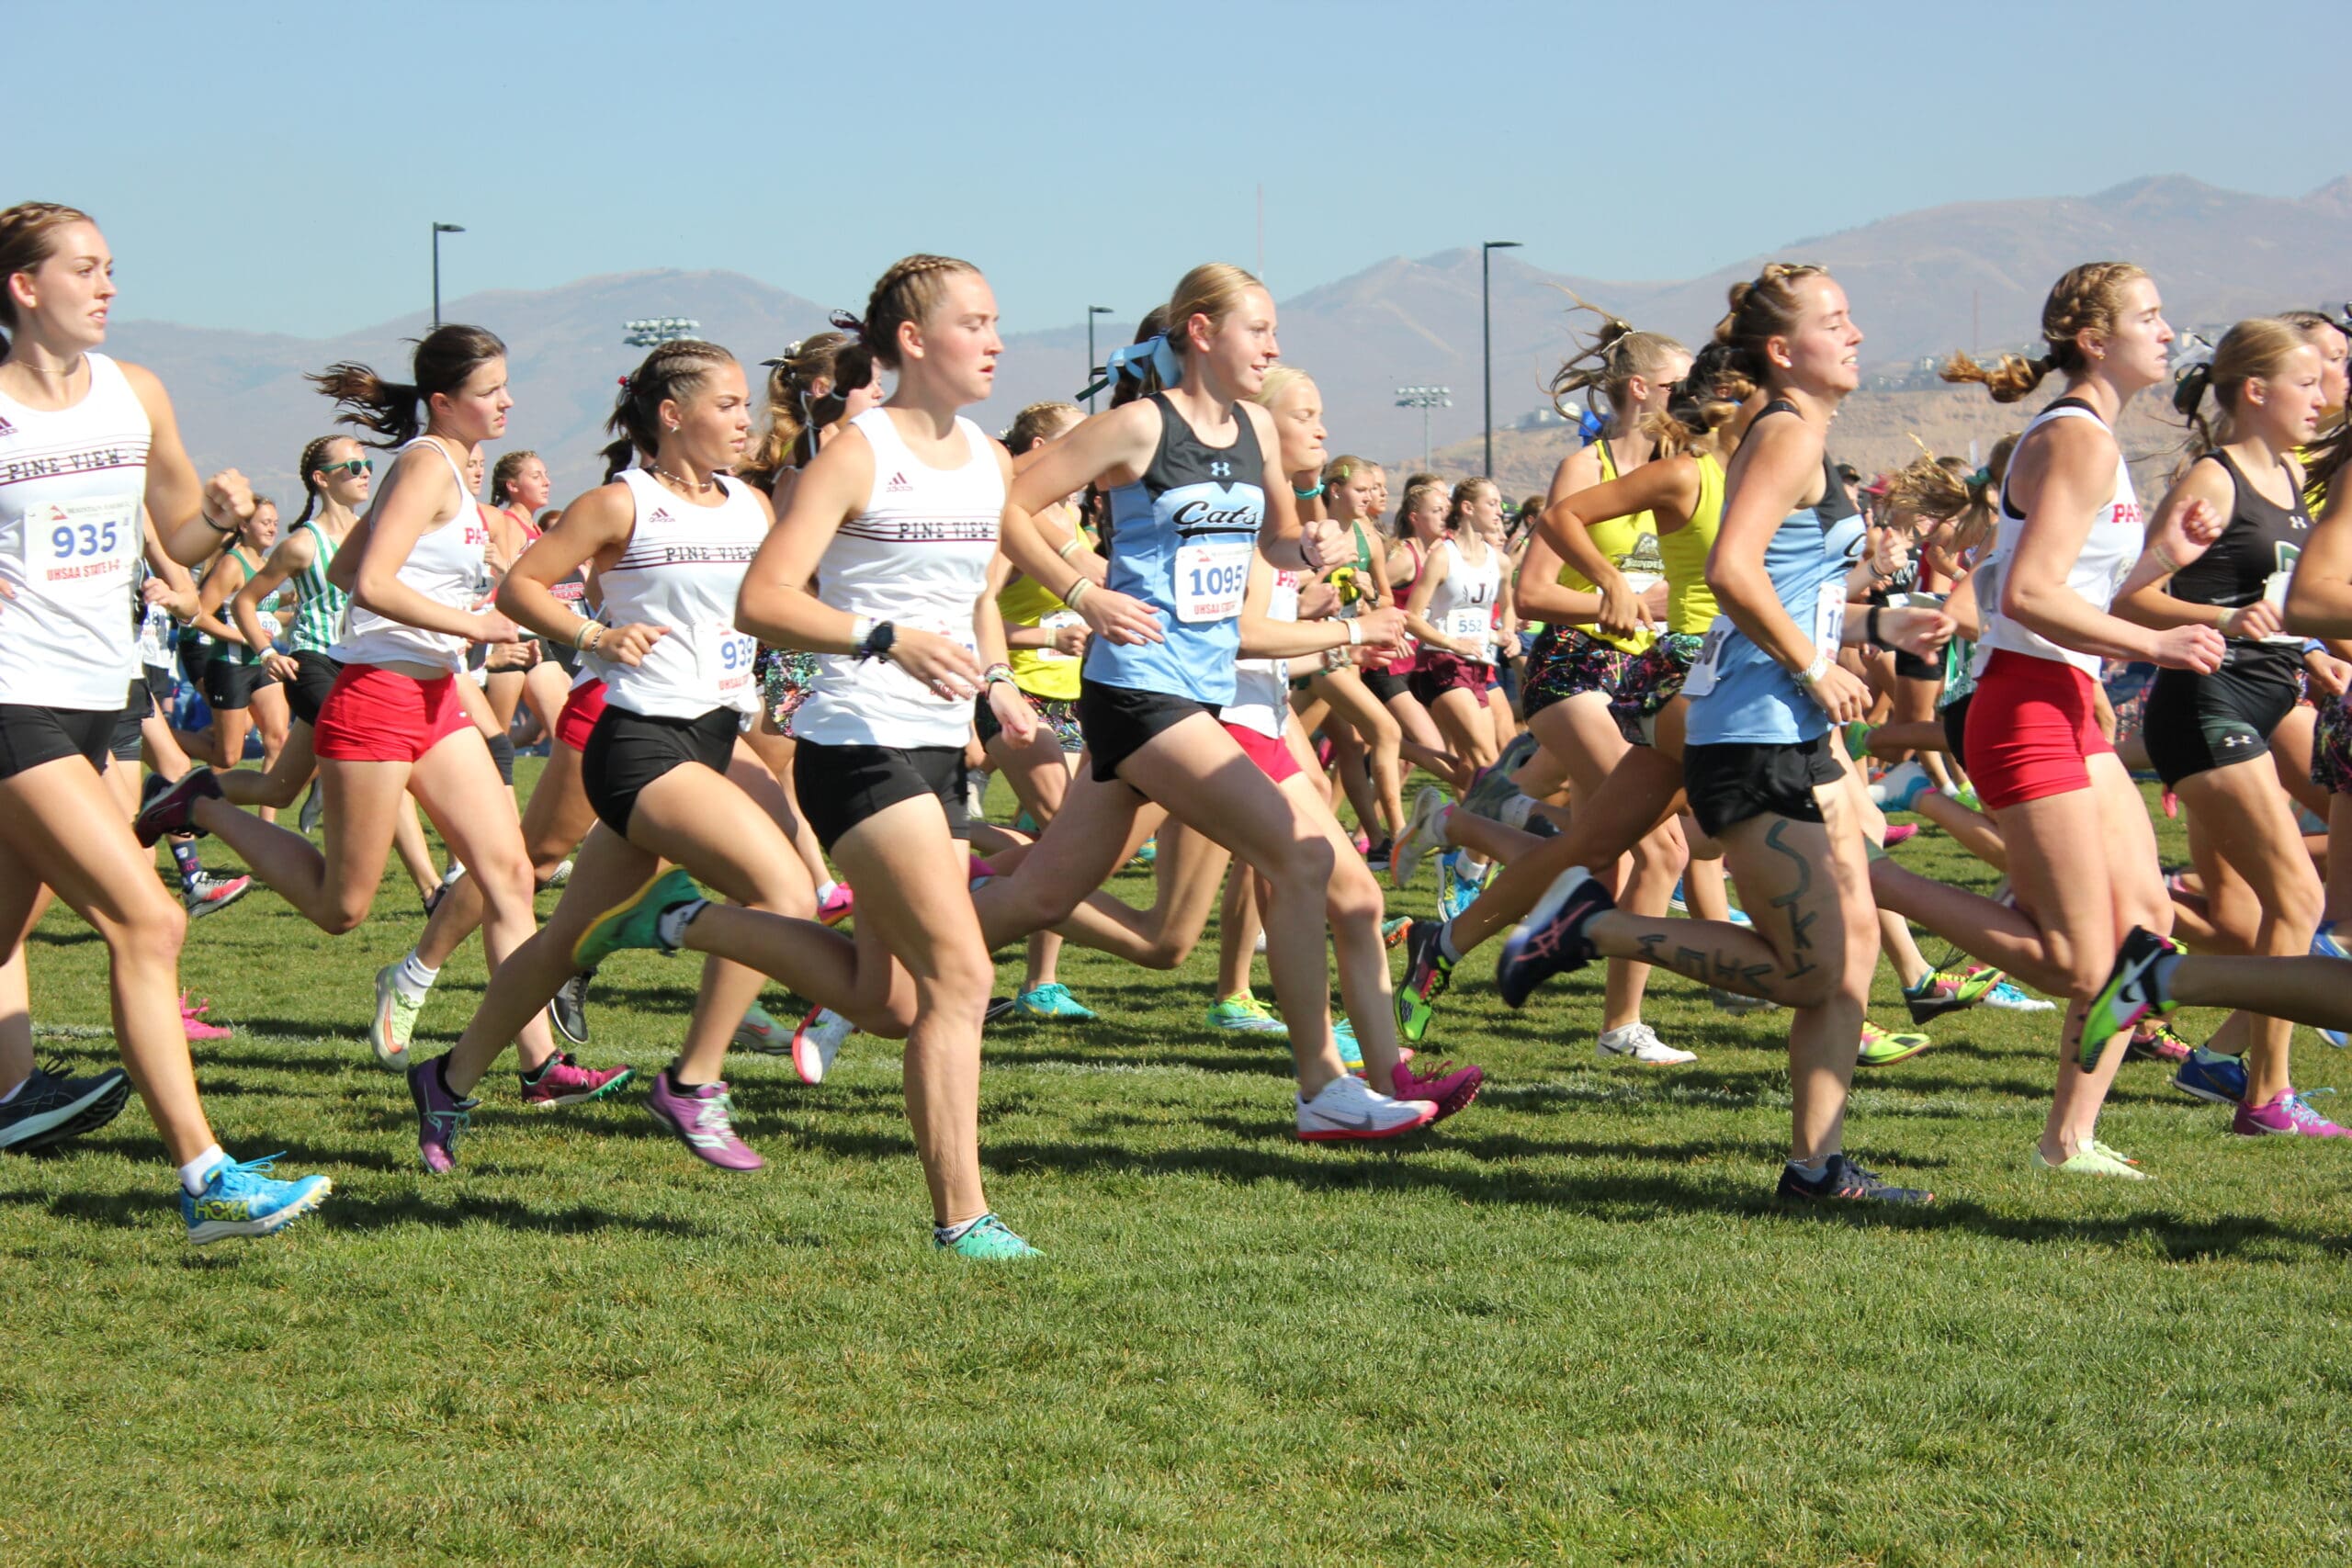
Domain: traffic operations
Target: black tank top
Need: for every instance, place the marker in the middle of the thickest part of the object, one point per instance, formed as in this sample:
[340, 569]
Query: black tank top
[2261, 539]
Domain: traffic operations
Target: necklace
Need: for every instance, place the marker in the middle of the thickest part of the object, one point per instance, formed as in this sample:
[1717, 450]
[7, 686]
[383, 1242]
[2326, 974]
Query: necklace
[692, 487]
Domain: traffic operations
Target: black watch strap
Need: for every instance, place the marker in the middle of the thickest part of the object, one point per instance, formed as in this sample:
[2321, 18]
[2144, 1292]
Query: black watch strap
[879, 642]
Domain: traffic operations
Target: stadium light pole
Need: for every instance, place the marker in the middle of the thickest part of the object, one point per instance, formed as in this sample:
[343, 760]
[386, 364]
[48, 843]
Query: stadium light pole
[1487, 333]
[1425, 399]
[439, 229]
[647, 332]
[1094, 370]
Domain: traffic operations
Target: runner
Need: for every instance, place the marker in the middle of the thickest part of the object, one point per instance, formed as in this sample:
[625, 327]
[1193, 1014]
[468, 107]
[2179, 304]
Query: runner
[85, 440]
[241, 691]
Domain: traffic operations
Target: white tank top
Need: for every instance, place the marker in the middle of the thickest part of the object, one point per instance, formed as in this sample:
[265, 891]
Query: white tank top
[682, 569]
[72, 482]
[916, 555]
[1462, 606]
[1262, 686]
[2108, 555]
[447, 566]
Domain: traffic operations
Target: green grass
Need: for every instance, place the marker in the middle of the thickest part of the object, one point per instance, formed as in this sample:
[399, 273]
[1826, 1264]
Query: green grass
[1568, 1326]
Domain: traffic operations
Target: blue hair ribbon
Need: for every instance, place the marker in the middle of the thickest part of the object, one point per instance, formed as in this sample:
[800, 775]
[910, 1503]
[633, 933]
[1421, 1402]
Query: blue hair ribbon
[1153, 354]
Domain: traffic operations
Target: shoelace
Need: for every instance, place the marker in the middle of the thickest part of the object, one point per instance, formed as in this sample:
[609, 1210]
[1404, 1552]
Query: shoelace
[241, 1174]
[2299, 1110]
[717, 1115]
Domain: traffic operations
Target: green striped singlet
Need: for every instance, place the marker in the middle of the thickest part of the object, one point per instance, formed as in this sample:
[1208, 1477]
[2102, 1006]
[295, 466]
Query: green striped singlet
[318, 618]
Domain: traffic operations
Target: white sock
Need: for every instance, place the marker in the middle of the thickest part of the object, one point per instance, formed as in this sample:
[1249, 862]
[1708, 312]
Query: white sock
[1515, 810]
[12, 1094]
[948, 1235]
[671, 929]
[197, 1171]
[826, 890]
[1472, 866]
[413, 979]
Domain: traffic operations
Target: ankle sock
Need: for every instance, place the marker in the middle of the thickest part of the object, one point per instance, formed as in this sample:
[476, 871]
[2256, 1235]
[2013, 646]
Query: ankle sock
[1811, 1169]
[184, 855]
[413, 979]
[197, 1173]
[670, 926]
[1515, 811]
[1445, 944]
[948, 1235]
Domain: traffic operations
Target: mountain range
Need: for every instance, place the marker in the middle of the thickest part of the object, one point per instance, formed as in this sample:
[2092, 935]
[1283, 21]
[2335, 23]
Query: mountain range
[1922, 283]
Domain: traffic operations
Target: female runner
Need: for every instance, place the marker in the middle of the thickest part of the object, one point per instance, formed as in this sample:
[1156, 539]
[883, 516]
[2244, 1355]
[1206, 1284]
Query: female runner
[393, 722]
[238, 686]
[87, 441]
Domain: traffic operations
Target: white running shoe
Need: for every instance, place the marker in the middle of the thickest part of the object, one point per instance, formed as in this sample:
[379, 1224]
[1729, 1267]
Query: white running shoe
[1640, 1042]
[1348, 1110]
[1418, 837]
[561, 876]
[1902, 788]
[817, 1041]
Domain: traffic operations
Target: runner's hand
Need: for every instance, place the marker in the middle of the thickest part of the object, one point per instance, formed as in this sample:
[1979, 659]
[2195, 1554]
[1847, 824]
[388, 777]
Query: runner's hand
[949, 669]
[1380, 628]
[1013, 711]
[275, 663]
[2199, 648]
[228, 498]
[2252, 622]
[1917, 631]
[1319, 546]
[1622, 613]
[628, 644]
[1841, 695]
[1069, 641]
[1110, 613]
[2329, 673]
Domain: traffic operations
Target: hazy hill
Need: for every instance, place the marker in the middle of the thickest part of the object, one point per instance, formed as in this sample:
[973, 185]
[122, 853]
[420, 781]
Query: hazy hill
[1919, 281]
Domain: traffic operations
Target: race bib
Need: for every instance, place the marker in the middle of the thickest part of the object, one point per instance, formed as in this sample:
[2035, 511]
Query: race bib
[67, 541]
[1210, 579]
[1049, 654]
[1829, 616]
[1708, 667]
[2274, 589]
[727, 656]
[155, 636]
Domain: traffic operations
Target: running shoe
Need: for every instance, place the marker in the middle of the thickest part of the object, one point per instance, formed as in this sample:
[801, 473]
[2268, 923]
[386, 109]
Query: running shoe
[1445, 1086]
[838, 905]
[1901, 790]
[2210, 1077]
[1392, 932]
[1857, 739]
[1459, 888]
[2155, 1041]
[1144, 856]
[2289, 1115]
[1940, 991]
[1050, 1000]
[2325, 945]
[2092, 1160]
[1491, 788]
[314, 804]
[1902, 833]
[1641, 1043]
[2005, 994]
[394, 1024]
[1344, 1038]
[568, 1011]
[245, 1200]
[1418, 836]
[817, 1041]
[49, 1108]
[703, 1119]
[561, 1080]
[1244, 1015]
[163, 806]
[1346, 1110]
[1843, 1181]
[2134, 988]
[209, 894]
[1967, 794]
[561, 876]
[194, 1024]
[1675, 902]
[2114, 1154]
[989, 1240]
[441, 1117]
[1551, 941]
[1882, 1047]
[1376, 857]
[761, 1031]
[635, 921]
[1735, 1003]
[1428, 973]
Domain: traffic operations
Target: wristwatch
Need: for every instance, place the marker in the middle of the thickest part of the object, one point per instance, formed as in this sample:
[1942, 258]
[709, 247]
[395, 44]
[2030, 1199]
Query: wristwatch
[877, 642]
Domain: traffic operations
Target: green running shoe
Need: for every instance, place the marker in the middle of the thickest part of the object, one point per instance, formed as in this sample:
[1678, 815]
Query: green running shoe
[1428, 973]
[1050, 1000]
[1882, 1047]
[636, 920]
[1244, 1015]
[989, 1239]
[394, 1024]
[1940, 991]
[760, 1031]
[2089, 1160]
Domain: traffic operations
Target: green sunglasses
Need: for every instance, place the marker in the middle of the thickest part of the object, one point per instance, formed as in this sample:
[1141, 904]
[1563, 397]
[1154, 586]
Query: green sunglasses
[354, 467]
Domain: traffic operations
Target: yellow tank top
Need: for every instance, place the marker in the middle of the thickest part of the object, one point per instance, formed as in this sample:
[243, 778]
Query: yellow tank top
[1040, 671]
[1633, 544]
[1690, 603]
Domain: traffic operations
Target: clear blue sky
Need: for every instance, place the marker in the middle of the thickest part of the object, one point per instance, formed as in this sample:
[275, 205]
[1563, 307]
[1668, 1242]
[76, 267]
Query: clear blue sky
[275, 167]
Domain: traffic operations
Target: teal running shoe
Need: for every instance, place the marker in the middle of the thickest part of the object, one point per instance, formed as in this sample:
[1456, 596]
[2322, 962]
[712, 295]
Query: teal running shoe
[989, 1239]
[1343, 1035]
[245, 1200]
[2325, 944]
[1244, 1015]
[1459, 888]
[636, 920]
[1050, 1000]
[762, 1031]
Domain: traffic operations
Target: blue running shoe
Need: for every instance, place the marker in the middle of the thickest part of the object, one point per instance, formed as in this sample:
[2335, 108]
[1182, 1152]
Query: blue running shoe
[1343, 1034]
[1050, 1000]
[1458, 888]
[244, 1199]
[2325, 945]
[1551, 941]
[2209, 1076]
[989, 1239]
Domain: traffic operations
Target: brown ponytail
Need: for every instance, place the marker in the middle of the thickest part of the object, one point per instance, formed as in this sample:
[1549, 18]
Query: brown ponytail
[445, 357]
[2088, 299]
[674, 372]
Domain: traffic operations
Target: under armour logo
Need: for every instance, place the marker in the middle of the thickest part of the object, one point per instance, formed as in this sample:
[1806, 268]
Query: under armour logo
[1220, 471]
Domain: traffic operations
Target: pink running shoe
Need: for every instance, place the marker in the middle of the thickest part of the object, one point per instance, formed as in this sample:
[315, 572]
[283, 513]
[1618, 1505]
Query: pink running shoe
[1902, 834]
[1449, 1087]
[704, 1120]
[838, 906]
[192, 1021]
[564, 1082]
[2289, 1115]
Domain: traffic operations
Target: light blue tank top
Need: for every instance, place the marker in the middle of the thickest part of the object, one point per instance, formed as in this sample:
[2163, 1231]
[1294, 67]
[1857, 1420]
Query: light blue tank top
[1182, 540]
[1753, 699]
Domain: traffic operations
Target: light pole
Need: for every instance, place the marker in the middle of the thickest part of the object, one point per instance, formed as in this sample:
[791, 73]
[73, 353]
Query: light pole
[1487, 333]
[1425, 399]
[439, 229]
[1093, 369]
[649, 330]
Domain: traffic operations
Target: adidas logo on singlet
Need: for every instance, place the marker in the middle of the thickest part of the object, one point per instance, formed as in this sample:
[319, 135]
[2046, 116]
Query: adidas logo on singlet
[661, 515]
[7, 429]
[900, 484]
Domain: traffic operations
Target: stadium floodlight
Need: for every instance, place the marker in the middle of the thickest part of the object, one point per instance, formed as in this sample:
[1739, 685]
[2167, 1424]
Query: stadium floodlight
[649, 330]
[1425, 399]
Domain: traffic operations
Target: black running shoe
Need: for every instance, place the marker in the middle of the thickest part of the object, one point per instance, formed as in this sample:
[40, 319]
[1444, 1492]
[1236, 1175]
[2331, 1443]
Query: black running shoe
[52, 1108]
[165, 808]
[1551, 941]
[570, 1007]
[312, 804]
[1843, 1181]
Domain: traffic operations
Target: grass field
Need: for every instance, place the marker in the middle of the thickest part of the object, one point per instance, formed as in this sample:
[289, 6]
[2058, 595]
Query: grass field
[1568, 1326]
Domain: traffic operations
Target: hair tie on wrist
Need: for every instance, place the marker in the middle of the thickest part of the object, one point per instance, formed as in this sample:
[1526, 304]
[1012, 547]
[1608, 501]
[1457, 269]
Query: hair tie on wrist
[1308, 494]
